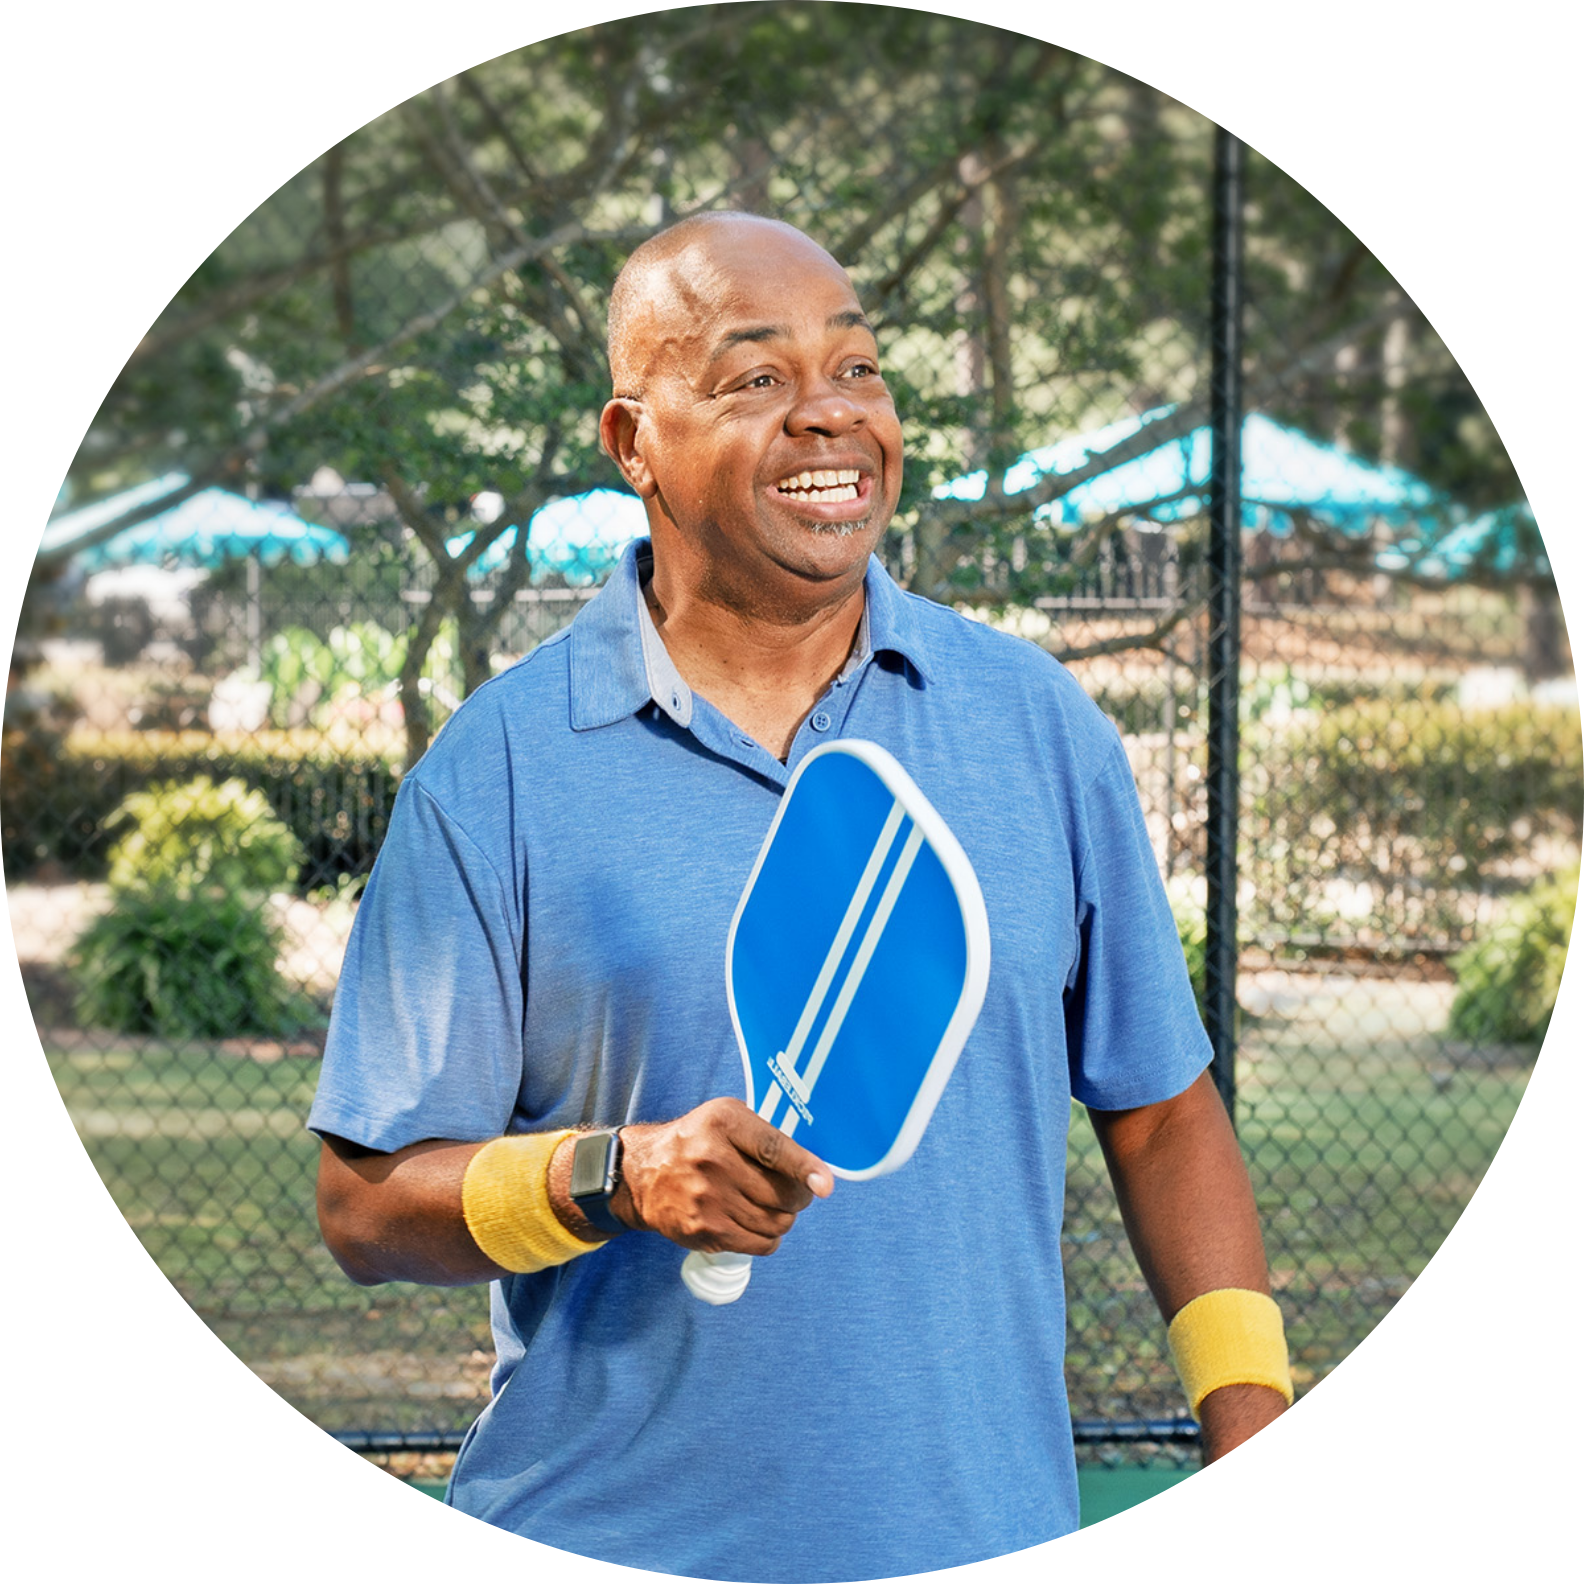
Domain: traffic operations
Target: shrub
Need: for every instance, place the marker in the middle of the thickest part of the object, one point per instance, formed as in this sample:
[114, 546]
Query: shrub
[1411, 800]
[305, 671]
[192, 835]
[1507, 981]
[188, 948]
[1457, 781]
[198, 967]
[335, 792]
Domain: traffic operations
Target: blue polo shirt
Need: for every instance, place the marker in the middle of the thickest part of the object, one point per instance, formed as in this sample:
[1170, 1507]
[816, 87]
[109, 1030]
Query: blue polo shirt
[541, 945]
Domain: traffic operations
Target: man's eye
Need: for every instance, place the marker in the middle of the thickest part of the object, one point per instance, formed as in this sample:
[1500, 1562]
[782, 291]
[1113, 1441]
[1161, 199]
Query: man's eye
[758, 382]
[860, 370]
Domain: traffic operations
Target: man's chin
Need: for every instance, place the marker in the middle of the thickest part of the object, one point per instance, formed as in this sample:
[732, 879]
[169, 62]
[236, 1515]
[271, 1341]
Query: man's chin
[829, 528]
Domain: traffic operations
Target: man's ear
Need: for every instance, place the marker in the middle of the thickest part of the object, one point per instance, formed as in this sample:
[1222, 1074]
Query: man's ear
[620, 442]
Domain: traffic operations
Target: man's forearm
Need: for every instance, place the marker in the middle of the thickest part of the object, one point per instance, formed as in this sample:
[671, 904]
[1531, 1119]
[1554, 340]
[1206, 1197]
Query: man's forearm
[398, 1216]
[1189, 1210]
[718, 1177]
[1228, 1417]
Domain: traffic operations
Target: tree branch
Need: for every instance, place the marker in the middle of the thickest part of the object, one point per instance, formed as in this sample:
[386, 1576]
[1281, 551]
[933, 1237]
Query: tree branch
[245, 294]
[997, 505]
[1154, 638]
[230, 463]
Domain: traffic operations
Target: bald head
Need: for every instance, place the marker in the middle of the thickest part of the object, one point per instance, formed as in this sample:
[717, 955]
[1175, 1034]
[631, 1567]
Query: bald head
[656, 296]
[744, 367]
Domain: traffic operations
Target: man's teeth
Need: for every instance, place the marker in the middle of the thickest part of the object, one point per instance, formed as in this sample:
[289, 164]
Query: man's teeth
[824, 485]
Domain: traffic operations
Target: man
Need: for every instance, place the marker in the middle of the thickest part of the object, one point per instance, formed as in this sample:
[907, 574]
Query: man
[537, 961]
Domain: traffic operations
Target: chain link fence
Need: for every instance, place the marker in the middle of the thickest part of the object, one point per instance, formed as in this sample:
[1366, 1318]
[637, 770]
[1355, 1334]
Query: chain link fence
[352, 470]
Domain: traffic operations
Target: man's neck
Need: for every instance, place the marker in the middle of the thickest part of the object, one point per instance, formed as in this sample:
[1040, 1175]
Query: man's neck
[763, 670]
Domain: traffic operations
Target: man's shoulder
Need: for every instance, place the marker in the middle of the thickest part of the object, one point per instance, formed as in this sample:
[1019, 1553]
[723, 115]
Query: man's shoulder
[971, 650]
[527, 700]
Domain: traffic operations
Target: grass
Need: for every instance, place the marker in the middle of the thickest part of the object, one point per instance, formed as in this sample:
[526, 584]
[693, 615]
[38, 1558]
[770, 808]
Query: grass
[1365, 1137]
[1365, 1134]
[207, 1158]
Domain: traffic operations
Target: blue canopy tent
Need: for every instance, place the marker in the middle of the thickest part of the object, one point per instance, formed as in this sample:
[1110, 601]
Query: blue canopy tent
[207, 529]
[1504, 543]
[578, 537]
[1284, 472]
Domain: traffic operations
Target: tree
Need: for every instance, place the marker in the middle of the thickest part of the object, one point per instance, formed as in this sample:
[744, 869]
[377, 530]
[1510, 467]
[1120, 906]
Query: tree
[424, 307]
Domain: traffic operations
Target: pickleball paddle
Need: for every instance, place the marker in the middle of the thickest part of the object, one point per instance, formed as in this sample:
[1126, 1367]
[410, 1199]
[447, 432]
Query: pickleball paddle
[856, 965]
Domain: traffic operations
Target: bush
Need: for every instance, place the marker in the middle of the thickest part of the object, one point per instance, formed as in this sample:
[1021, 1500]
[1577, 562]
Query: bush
[196, 967]
[1507, 982]
[1458, 781]
[188, 948]
[305, 671]
[1413, 800]
[192, 835]
[308, 674]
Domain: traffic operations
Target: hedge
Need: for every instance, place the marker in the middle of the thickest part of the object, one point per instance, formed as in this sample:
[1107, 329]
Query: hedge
[1507, 981]
[1409, 797]
[57, 793]
[1453, 777]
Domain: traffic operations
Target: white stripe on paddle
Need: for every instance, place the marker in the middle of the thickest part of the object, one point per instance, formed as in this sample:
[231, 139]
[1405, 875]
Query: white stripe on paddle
[855, 974]
[860, 900]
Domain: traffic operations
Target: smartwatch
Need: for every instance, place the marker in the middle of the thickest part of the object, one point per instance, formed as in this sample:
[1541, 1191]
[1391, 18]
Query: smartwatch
[596, 1175]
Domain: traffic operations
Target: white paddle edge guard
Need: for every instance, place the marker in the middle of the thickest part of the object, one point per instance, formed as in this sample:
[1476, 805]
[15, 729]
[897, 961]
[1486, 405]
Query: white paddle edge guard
[698, 1270]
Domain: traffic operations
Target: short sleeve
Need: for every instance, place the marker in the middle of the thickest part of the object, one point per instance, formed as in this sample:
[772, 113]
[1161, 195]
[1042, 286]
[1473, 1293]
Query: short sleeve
[426, 1035]
[1134, 1035]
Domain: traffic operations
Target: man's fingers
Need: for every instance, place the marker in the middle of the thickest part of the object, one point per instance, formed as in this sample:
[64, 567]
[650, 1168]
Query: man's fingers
[718, 1178]
[780, 1156]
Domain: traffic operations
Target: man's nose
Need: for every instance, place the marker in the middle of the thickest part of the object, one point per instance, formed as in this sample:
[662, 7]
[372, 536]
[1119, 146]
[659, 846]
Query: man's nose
[823, 407]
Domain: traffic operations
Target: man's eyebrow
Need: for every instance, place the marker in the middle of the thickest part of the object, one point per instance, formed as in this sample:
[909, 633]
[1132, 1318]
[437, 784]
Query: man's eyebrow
[848, 319]
[753, 333]
[852, 319]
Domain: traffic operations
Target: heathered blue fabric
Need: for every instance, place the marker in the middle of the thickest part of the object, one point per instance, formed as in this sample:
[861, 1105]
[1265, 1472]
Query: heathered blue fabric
[541, 945]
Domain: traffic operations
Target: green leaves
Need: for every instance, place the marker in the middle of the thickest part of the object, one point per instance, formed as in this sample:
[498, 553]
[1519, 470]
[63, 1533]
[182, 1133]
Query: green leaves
[189, 947]
[1508, 980]
[194, 967]
[307, 673]
[197, 837]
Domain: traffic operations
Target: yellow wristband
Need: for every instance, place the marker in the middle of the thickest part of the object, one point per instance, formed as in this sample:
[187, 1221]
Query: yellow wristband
[1231, 1337]
[506, 1204]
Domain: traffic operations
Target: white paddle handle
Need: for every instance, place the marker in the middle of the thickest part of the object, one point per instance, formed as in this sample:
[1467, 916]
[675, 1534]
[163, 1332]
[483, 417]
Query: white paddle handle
[717, 1278]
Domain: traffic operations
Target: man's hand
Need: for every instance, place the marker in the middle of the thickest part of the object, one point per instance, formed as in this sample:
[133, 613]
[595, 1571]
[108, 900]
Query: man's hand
[716, 1179]
[719, 1179]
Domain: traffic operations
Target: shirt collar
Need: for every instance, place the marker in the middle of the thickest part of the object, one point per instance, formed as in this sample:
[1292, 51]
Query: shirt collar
[619, 664]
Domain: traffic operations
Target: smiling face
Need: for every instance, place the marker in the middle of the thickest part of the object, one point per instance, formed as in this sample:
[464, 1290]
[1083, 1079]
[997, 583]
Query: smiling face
[750, 413]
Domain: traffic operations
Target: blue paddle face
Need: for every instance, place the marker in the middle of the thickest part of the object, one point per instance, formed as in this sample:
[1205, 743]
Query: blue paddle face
[854, 967]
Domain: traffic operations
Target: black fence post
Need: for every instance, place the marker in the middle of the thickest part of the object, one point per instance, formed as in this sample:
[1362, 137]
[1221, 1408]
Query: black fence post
[1226, 512]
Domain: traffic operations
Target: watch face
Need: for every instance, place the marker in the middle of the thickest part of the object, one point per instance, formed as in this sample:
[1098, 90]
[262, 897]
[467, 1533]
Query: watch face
[594, 1159]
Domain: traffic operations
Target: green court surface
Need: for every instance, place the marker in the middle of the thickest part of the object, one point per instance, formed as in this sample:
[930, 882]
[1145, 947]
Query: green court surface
[1102, 1492]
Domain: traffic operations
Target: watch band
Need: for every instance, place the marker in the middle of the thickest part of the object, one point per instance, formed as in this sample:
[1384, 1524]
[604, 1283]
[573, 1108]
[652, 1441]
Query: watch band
[596, 1175]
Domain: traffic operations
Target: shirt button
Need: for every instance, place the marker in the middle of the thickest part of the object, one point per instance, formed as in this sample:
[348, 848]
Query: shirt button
[820, 721]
